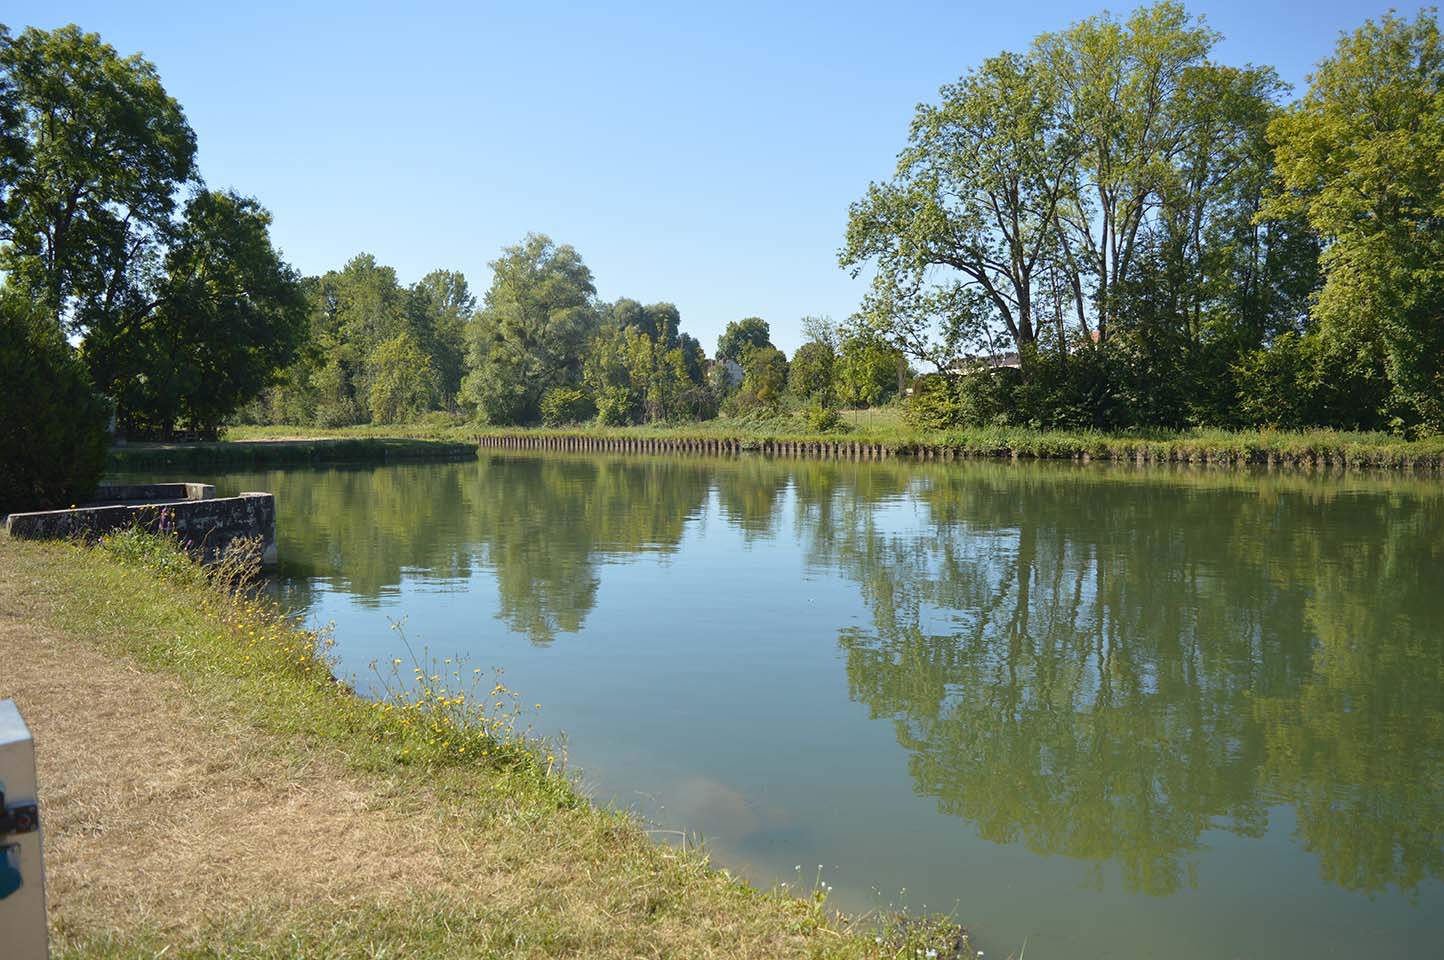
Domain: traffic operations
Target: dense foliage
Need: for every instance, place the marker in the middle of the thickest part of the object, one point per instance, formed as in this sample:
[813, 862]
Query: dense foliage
[183, 311]
[540, 348]
[1148, 238]
[1108, 230]
[1361, 159]
[52, 434]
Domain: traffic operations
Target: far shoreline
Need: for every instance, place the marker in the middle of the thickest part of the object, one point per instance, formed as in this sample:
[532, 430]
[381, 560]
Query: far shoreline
[867, 435]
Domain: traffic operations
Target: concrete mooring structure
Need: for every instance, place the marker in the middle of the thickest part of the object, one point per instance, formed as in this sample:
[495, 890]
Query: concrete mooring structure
[205, 523]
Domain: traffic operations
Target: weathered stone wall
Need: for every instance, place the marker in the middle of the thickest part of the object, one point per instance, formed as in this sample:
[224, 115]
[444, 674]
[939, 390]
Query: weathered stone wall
[207, 526]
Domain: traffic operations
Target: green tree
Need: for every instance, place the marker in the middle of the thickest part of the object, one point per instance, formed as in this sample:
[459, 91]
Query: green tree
[866, 373]
[352, 312]
[180, 319]
[403, 383]
[641, 367]
[659, 321]
[532, 330]
[439, 306]
[694, 359]
[961, 233]
[14, 147]
[1126, 107]
[52, 430]
[1361, 156]
[105, 151]
[811, 372]
[1103, 186]
[615, 370]
[741, 336]
[764, 380]
[225, 317]
[1020, 208]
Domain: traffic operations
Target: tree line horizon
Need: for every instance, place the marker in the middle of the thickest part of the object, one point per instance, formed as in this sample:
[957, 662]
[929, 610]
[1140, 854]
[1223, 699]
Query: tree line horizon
[1161, 239]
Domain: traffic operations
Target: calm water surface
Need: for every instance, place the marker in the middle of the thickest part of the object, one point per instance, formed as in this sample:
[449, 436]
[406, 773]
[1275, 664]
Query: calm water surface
[1114, 712]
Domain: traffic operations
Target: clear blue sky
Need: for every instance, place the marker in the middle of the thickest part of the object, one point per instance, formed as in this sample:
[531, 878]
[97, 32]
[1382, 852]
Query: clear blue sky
[703, 154]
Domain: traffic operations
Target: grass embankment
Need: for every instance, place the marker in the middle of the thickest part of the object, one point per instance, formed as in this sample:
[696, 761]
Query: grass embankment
[289, 450]
[887, 429]
[208, 790]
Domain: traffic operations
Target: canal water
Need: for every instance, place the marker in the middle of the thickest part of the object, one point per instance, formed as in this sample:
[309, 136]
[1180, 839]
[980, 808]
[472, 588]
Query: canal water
[1106, 712]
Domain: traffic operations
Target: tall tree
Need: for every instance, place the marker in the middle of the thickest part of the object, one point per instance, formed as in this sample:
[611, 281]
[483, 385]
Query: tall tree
[14, 148]
[531, 331]
[225, 316]
[659, 321]
[742, 336]
[639, 367]
[402, 381]
[179, 318]
[353, 311]
[1124, 106]
[1361, 156]
[962, 232]
[106, 150]
[440, 306]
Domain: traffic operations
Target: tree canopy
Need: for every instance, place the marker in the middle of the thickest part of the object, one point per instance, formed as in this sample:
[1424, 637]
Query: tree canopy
[180, 317]
[529, 336]
[741, 336]
[1140, 225]
[1361, 158]
[1109, 228]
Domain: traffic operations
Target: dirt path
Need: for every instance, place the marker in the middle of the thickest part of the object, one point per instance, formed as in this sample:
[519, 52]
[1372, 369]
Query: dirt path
[180, 822]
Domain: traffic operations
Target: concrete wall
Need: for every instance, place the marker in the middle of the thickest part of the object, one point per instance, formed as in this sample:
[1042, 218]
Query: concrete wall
[207, 526]
[124, 492]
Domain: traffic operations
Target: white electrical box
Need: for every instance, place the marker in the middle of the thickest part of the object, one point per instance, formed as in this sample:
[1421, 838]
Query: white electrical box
[22, 872]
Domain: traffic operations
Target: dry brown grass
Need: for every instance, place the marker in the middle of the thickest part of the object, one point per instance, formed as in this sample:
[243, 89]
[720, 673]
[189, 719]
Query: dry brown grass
[164, 814]
[183, 816]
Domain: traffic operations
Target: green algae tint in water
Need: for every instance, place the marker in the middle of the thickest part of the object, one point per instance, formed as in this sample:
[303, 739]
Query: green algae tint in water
[1111, 712]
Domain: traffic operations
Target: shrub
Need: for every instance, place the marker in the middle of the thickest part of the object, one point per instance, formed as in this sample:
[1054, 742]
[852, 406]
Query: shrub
[696, 403]
[563, 405]
[978, 399]
[618, 407]
[1069, 392]
[341, 413]
[53, 429]
[1307, 381]
[934, 404]
[821, 417]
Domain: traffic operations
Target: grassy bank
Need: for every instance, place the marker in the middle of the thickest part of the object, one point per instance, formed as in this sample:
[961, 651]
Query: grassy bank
[209, 790]
[888, 431]
[290, 449]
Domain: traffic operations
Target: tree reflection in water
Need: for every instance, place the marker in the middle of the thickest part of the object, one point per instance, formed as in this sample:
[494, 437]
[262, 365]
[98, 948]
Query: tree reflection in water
[1102, 664]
